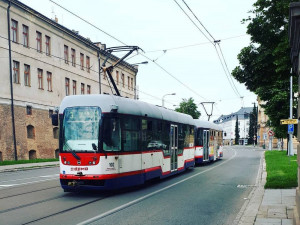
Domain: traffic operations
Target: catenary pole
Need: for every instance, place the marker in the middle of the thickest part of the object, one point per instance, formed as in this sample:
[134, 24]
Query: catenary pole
[291, 150]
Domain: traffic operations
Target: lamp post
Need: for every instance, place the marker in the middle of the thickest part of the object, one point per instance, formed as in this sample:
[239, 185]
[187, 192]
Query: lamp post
[163, 100]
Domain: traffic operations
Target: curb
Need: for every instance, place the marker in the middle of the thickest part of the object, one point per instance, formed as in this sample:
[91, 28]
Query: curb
[31, 167]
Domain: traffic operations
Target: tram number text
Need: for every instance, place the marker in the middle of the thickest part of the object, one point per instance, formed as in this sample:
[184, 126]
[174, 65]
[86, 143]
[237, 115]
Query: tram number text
[112, 164]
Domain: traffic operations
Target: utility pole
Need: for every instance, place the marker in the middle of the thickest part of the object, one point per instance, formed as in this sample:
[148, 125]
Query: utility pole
[291, 150]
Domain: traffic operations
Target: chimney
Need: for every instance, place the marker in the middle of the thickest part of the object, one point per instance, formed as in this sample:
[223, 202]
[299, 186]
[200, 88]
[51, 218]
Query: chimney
[56, 19]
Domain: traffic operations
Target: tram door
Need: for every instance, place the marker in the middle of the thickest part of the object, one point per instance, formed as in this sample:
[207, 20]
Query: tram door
[174, 147]
[205, 145]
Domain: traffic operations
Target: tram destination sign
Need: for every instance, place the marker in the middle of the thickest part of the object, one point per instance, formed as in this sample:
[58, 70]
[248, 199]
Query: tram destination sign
[289, 121]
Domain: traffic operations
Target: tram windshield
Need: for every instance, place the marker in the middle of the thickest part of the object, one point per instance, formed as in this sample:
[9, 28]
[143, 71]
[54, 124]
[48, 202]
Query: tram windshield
[81, 129]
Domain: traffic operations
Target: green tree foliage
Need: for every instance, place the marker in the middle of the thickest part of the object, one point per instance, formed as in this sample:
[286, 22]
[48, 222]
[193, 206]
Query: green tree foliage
[237, 131]
[188, 106]
[265, 63]
[252, 126]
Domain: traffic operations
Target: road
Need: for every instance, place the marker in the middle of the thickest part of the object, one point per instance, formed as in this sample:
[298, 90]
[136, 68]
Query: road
[209, 194]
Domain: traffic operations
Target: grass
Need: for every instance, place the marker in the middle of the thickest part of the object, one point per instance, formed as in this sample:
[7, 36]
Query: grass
[5, 163]
[281, 170]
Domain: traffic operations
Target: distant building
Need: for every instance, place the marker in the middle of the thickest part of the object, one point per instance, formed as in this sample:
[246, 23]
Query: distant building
[45, 62]
[228, 122]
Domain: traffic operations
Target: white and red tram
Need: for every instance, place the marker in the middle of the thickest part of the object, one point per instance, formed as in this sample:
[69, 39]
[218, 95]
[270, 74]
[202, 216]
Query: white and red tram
[109, 142]
[208, 141]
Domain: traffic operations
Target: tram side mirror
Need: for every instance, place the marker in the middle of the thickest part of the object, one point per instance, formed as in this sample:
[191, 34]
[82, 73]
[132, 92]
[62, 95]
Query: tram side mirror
[54, 118]
[225, 134]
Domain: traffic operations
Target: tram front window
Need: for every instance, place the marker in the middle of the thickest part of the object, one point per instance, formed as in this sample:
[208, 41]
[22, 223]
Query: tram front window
[81, 129]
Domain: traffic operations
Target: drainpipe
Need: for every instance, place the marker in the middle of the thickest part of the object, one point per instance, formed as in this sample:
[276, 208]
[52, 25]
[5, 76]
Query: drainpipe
[11, 83]
[99, 65]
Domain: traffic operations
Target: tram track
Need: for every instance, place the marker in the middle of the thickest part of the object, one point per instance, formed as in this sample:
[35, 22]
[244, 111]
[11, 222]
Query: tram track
[67, 210]
[29, 192]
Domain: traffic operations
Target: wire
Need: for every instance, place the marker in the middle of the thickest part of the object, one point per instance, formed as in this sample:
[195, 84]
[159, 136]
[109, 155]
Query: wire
[198, 20]
[192, 45]
[216, 42]
[194, 23]
[87, 22]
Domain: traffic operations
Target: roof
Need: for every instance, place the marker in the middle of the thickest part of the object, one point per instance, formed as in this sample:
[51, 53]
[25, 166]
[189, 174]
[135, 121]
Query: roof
[243, 113]
[125, 106]
[207, 124]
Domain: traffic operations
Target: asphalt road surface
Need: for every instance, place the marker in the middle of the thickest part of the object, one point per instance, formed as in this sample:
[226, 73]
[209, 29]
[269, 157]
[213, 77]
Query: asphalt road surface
[209, 194]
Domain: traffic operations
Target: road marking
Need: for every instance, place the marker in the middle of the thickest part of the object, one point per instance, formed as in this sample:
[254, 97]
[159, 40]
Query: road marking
[38, 181]
[149, 195]
[30, 178]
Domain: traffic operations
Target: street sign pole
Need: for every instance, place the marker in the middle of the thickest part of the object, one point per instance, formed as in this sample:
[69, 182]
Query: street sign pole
[291, 150]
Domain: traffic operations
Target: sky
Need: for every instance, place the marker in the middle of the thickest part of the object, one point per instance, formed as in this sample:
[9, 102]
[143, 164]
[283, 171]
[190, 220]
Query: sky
[180, 58]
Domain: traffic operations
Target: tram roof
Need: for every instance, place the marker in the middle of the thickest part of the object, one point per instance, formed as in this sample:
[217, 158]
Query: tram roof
[125, 106]
[207, 124]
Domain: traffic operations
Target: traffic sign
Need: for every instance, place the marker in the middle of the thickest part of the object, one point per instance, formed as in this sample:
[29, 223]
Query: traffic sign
[289, 121]
[271, 133]
[290, 128]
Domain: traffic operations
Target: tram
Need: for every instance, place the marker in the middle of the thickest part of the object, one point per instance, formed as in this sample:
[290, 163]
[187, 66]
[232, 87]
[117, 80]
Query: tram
[208, 142]
[108, 142]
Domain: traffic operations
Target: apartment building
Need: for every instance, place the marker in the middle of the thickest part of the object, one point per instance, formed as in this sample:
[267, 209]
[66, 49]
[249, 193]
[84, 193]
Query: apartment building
[228, 123]
[41, 62]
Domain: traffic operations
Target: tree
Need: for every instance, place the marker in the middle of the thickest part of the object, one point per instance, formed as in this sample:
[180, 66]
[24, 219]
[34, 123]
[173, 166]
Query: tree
[265, 63]
[188, 106]
[252, 126]
[237, 131]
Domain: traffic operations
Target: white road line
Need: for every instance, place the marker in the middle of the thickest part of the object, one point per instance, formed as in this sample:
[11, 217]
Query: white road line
[149, 195]
[38, 181]
[30, 178]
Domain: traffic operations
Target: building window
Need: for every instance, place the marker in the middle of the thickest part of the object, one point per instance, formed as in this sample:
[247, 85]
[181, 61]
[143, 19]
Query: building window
[28, 110]
[57, 153]
[74, 87]
[30, 132]
[55, 132]
[40, 78]
[49, 81]
[128, 81]
[88, 89]
[132, 84]
[88, 64]
[123, 80]
[26, 75]
[25, 36]
[82, 88]
[117, 77]
[32, 154]
[67, 83]
[48, 45]
[50, 113]
[39, 41]
[14, 30]
[66, 54]
[73, 57]
[16, 72]
[1, 157]
[81, 61]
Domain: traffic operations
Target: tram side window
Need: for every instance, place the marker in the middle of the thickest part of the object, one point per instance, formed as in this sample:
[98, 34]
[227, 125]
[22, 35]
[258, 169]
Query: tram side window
[192, 138]
[180, 139]
[130, 134]
[166, 138]
[199, 140]
[186, 136]
[111, 134]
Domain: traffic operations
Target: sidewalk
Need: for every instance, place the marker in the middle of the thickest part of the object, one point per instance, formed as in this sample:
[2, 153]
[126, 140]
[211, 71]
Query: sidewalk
[266, 207]
[27, 166]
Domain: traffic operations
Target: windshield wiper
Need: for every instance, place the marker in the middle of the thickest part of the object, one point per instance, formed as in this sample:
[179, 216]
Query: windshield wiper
[72, 151]
[75, 155]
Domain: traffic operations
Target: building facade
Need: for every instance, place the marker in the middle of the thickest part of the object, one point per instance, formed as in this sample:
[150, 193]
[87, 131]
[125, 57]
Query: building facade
[228, 123]
[42, 62]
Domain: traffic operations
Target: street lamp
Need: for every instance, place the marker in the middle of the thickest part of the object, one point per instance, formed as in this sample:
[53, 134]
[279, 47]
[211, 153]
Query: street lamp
[163, 100]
